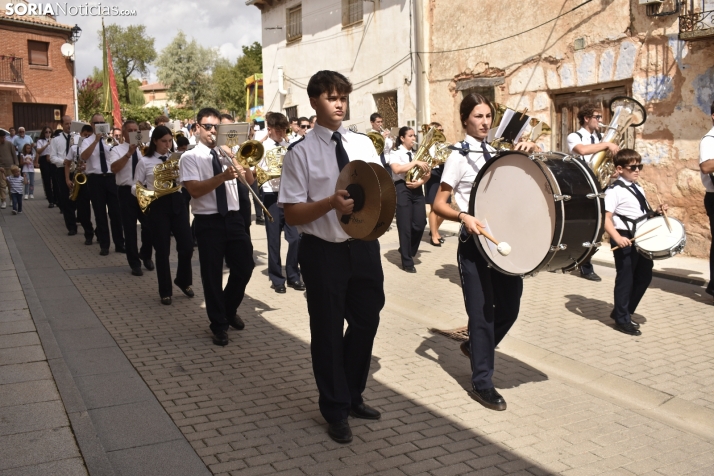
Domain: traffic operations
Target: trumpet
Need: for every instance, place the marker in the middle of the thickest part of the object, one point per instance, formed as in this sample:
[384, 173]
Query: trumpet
[244, 154]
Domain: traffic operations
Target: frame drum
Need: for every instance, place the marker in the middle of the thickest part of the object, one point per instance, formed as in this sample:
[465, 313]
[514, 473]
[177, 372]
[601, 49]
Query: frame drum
[660, 243]
[546, 206]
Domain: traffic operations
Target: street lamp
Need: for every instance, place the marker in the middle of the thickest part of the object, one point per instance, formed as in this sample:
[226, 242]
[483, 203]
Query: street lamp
[76, 33]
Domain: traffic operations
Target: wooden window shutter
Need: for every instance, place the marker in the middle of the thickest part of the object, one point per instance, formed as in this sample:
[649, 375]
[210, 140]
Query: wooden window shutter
[37, 52]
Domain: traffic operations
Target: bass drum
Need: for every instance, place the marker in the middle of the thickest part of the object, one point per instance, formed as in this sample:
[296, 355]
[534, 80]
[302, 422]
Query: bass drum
[547, 206]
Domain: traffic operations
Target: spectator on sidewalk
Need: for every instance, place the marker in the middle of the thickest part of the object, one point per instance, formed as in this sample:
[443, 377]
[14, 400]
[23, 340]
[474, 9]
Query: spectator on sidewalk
[28, 170]
[706, 165]
[20, 140]
[8, 158]
[15, 183]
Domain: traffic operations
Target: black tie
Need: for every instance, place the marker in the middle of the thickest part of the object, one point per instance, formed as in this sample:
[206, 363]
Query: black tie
[592, 139]
[410, 156]
[66, 150]
[340, 152]
[486, 154]
[103, 158]
[221, 199]
[644, 206]
[163, 158]
[134, 161]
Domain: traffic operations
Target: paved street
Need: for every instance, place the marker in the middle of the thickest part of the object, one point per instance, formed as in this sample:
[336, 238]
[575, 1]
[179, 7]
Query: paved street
[146, 392]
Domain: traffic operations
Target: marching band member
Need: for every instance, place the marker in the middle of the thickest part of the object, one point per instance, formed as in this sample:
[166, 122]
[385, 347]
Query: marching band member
[103, 190]
[344, 277]
[431, 187]
[492, 299]
[303, 127]
[277, 124]
[58, 150]
[124, 159]
[411, 210]
[625, 207]
[243, 193]
[83, 203]
[46, 167]
[294, 128]
[166, 215]
[706, 166]
[376, 121]
[219, 226]
[586, 142]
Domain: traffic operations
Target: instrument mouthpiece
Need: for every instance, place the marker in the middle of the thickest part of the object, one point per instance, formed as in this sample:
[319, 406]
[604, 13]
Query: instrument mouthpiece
[503, 248]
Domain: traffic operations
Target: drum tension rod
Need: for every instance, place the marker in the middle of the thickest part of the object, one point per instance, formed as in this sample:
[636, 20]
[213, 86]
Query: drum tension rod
[587, 244]
[563, 198]
[560, 247]
[595, 195]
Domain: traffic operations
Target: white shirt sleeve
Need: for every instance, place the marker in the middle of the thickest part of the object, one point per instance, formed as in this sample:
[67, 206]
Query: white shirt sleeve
[706, 149]
[573, 140]
[188, 169]
[452, 170]
[611, 200]
[294, 179]
[139, 176]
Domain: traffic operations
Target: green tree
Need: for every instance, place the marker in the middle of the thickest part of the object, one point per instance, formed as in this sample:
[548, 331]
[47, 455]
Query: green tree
[229, 80]
[132, 52]
[140, 113]
[185, 68]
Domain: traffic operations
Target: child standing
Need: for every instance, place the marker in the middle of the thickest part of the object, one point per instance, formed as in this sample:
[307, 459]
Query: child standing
[625, 208]
[28, 170]
[15, 184]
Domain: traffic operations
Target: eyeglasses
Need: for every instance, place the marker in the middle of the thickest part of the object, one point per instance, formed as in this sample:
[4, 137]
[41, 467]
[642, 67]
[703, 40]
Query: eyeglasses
[632, 168]
[208, 127]
[598, 117]
[304, 126]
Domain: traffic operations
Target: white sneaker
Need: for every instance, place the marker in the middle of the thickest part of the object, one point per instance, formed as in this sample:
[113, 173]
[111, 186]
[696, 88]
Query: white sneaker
[26, 197]
[32, 196]
[3, 205]
[14, 212]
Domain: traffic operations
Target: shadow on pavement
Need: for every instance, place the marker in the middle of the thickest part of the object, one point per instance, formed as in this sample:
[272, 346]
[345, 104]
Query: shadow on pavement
[450, 272]
[595, 309]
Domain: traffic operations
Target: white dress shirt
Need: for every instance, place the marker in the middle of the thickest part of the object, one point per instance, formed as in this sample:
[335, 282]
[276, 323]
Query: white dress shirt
[310, 174]
[94, 165]
[145, 170]
[587, 139]
[460, 171]
[272, 185]
[706, 152]
[57, 150]
[623, 202]
[124, 176]
[400, 157]
[197, 164]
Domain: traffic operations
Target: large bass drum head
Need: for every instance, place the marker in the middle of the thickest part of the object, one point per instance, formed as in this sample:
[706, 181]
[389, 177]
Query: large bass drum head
[514, 200]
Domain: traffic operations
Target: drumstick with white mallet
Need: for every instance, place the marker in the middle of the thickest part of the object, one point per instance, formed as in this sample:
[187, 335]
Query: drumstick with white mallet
[502, 247]
[664, 213]
[637, 237]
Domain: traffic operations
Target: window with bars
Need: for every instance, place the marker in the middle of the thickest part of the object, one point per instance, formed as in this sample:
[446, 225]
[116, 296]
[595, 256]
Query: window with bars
[291, 112]
[37, 53]
[352, 12]
[294, 23]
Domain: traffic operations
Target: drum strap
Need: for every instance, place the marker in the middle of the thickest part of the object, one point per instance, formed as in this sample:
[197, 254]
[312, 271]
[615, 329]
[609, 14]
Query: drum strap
[644, 206]
[597, 134]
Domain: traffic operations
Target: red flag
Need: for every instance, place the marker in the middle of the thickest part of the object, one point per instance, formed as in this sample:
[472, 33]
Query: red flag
[116, 108]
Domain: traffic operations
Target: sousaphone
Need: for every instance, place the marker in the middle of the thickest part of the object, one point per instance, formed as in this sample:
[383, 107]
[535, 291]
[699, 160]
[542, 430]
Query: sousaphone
[375, 197]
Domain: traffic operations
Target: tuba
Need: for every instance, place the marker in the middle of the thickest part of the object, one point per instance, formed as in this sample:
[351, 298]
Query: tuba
[274, 165]
[432, 137]
[165, 182]
[377, 141]
[626, 112]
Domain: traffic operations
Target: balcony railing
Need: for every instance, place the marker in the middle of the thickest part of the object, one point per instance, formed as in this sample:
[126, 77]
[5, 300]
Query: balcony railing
[11, 70]
[696, 25]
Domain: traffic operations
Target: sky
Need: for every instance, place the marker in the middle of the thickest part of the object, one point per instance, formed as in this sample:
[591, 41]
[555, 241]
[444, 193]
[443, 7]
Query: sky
[223, 24]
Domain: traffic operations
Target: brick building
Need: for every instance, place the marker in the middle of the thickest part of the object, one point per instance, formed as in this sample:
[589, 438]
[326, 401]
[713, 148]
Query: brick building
[36, 80]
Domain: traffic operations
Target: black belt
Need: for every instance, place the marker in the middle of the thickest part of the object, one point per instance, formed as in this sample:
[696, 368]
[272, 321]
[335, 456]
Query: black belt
[308, 235]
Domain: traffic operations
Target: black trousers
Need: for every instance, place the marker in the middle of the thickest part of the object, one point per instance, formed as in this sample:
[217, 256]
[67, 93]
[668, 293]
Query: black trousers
[165, 216]
[83, 205]
[709, 206]
[68, 207]
[244, 203]
[634, 275]
[586, 267]
[104, 195]
[272, 232]
[47, 181]
[344, 281]
[222, 238]
[256, 205]
[130, 213]
[492, 302]
[411, 220]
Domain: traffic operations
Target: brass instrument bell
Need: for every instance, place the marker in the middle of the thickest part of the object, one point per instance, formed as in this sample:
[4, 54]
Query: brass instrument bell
[377, 141]
[274, 166]
[165, 182]
[432, 137]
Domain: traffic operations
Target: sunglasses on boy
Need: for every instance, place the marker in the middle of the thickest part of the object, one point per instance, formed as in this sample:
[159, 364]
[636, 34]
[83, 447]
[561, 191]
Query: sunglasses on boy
[632, 168]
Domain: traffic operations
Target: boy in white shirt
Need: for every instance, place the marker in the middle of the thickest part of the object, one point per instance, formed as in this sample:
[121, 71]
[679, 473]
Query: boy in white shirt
[706, 166]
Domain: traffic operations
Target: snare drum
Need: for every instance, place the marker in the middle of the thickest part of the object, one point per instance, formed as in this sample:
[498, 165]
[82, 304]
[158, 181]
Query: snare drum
[547, 206]
[660, 243]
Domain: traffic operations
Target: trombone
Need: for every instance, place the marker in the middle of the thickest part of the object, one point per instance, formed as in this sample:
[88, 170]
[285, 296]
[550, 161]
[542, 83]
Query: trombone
[244, 155]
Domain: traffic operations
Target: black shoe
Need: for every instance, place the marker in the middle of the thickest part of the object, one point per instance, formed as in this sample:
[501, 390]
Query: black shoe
[633, 323]
[236, 322]
[137, 272]
[148, 264]
[489, 398]
[220, 338]
[166, 301]
[628, 329]
[431, 241]
[260, 221]
[120, 249]
[709, 290]
[340, 431]
[71, 232]
[409, 269]
[104, 251]
[466, 349]
[591, 277]
[365, 412]
[52, 205]
[280, 289]
[88, 241]
[296, 285]
[186, 290]
[442, 240]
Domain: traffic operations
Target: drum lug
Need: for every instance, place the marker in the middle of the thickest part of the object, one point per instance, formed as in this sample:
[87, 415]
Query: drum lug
[595, 195]
[567, 158]
[559, 248]
[563, 198]
[587, 244]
